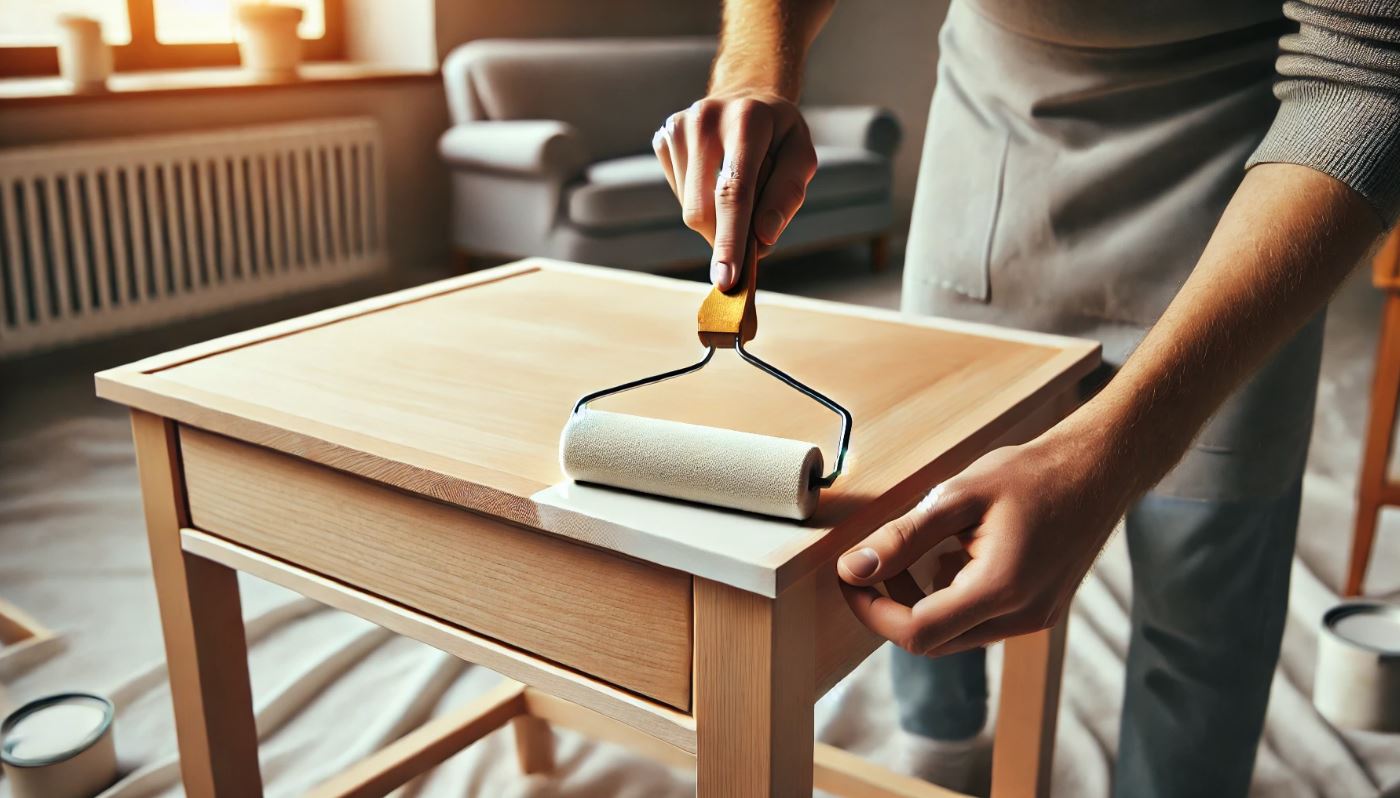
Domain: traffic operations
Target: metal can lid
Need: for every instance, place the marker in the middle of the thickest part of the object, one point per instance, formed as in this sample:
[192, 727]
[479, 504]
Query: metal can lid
[54, 728]
[1370, 625]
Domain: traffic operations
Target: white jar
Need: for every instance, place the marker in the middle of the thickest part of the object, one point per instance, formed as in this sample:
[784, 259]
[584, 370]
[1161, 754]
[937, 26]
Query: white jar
[84, 60]
[268, 43]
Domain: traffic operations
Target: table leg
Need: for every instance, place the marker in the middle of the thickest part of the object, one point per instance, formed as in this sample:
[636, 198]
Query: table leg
[205, 648]
[534, 744]
[1024, 749]
[754, 690]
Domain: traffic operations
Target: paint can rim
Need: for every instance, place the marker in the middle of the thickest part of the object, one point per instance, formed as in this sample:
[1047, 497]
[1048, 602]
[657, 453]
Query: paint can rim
[108, 714]
[1349, 608]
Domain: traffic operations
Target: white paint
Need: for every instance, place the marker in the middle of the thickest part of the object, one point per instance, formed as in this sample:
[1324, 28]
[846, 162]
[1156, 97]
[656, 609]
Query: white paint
[723, 545]
[54, 730]
[1375, 630]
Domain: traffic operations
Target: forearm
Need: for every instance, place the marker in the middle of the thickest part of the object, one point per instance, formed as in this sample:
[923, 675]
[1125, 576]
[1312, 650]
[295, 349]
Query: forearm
[763, 45]
[1287, 240]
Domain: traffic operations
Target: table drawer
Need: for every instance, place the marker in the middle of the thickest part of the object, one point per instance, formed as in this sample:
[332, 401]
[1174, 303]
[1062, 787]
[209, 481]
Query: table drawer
[617, 619]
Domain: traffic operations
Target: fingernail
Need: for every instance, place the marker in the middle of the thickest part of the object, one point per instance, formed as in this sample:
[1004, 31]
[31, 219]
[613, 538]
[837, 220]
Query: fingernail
[721, 274]
[769, 225]
[861, 562]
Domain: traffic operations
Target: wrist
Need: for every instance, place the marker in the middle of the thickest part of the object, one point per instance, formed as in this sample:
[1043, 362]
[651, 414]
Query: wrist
[1100, 443]
[768, 81]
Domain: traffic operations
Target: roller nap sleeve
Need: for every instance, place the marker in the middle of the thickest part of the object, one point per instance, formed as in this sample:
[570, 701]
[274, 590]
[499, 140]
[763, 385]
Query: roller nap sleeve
[721, 467]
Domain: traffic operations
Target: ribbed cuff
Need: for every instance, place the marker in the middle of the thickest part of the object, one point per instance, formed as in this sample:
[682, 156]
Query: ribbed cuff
[1347, 132]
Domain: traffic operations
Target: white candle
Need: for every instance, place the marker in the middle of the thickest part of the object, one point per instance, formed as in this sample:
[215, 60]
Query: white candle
[1370, 629]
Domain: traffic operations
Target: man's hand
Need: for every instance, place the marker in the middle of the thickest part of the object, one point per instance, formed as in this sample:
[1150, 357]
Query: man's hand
[733, 160]
[1031, 520]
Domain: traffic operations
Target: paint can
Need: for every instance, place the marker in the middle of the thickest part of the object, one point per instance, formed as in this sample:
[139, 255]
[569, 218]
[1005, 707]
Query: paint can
[59, 746]
[1357, 684]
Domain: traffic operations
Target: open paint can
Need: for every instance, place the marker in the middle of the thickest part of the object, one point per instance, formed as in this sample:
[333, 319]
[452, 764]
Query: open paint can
[59, 747]
[1357, 685]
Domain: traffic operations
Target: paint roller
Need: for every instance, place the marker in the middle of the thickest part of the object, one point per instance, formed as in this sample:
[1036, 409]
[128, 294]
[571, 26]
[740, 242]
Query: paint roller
[721, 467]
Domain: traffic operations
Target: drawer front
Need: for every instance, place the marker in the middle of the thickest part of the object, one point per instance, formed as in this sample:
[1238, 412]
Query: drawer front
[617, 619]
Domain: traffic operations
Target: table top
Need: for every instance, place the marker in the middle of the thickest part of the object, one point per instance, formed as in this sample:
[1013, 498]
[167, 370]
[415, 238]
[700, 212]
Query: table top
[458, 390]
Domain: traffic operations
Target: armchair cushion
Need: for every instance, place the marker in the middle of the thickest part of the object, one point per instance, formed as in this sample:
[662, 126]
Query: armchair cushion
[632, 191]
[861, 126]
[532, 147]
[614, 92]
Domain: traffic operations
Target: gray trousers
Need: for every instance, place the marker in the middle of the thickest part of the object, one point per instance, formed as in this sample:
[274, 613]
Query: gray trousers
[1211, 550]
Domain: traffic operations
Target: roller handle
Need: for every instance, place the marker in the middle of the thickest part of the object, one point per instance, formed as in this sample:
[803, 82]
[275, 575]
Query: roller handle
[729, 316]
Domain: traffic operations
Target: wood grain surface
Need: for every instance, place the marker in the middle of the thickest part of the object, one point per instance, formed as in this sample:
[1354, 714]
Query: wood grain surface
[654, 719]
[206, 650]
[620, 620]
[458, 391]
[753, 692]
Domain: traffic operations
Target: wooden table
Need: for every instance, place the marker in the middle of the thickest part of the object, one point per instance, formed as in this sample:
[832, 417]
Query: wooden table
[396, 458]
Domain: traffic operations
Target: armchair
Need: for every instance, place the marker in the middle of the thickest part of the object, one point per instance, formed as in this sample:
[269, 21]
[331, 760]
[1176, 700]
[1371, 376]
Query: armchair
[550, 154]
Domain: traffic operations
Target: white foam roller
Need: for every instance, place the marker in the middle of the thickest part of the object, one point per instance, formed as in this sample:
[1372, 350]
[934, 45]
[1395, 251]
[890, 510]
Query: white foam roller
[722, 467]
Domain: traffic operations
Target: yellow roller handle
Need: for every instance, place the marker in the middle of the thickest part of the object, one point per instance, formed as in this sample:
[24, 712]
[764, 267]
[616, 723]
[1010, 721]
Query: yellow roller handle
[729, 316]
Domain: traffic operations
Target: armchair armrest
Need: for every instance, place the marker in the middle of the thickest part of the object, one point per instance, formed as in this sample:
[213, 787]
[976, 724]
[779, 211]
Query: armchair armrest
[542, 148]
[865, 126]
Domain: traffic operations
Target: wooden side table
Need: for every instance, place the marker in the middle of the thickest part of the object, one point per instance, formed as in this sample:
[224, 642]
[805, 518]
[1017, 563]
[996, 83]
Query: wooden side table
[1375, 488]
[396, 459]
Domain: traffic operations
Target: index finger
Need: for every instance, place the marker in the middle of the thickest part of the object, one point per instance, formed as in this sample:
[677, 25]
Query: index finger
[937, 618]
[746, 140]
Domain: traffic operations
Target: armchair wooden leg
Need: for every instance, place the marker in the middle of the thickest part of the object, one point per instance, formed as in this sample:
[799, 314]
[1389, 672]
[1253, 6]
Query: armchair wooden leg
[879, 253]
[1371, 489]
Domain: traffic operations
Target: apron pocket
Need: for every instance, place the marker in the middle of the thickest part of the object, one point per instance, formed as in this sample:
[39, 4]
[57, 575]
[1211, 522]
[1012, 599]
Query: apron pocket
[961, 178]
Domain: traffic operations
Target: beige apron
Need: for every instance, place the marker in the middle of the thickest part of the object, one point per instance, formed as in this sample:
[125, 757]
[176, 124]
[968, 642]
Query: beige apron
[1071, 188]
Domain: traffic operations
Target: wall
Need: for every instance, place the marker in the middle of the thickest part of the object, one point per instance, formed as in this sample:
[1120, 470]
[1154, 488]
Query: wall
[882, 52]
[873, 51]
[461, 21]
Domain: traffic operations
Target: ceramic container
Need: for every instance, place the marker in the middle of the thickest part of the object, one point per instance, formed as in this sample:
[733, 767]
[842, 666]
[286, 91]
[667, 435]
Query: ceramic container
[1357, 685]
[268, 44]
[84, 60]
[60, 746]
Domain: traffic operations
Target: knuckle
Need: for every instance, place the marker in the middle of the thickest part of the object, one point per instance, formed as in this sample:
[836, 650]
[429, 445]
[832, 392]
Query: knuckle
[911, 644]
[729, 192]
[705, 115]
[791, 194]
[903, 530]
[694, 216]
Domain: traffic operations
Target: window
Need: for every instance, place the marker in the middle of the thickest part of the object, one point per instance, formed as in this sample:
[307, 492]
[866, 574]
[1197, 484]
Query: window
[152, 34]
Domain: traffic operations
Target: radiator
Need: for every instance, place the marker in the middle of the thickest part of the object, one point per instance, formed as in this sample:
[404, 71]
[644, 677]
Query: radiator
[108, 236]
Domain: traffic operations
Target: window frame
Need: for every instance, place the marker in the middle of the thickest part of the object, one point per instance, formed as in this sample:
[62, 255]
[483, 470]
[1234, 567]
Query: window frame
[144, 52]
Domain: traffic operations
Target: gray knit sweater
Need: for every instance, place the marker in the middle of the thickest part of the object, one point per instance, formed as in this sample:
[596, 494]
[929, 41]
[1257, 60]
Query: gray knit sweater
[1339, 70]
[1340, 88]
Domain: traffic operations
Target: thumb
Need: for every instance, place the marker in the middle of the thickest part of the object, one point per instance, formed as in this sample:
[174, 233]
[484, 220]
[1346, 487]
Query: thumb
[899, 544]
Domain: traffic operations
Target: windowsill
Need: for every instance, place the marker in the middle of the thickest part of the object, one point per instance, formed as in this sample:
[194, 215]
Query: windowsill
[47, 90]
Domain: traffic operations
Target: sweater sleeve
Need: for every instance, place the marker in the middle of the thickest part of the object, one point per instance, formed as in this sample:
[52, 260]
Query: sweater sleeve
[1339, 85]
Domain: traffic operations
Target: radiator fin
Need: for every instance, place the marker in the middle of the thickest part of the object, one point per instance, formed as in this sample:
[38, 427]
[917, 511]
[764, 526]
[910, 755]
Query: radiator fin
[108, 236]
